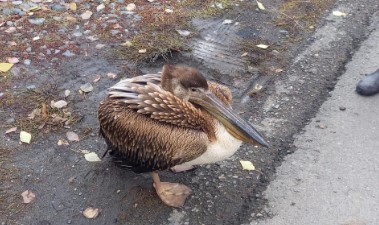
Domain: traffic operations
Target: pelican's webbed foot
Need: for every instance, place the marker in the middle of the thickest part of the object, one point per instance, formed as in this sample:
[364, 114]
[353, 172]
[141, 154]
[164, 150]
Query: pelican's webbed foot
[172, 194]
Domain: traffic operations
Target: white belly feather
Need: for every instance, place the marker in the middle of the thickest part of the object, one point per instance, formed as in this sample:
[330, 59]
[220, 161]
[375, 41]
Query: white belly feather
[224, 147]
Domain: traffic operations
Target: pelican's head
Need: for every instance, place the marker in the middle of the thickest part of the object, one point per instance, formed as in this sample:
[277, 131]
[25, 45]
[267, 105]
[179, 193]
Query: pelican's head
[190, 85]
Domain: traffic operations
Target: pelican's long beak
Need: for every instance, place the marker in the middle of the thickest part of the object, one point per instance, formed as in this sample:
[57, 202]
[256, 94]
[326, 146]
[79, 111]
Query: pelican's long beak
[237, 126]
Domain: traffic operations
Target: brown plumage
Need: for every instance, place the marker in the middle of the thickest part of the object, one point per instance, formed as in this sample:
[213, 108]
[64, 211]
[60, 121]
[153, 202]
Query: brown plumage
[174, 119]
[139, 123]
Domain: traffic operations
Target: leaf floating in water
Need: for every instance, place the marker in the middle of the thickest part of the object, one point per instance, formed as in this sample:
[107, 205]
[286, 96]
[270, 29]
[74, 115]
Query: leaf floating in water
[27, 196]
[91, 213]
[247, 165]
[25, 137]
[4, 67]
[92, 157]
[72, 136]
[261, 6]
[339, 13]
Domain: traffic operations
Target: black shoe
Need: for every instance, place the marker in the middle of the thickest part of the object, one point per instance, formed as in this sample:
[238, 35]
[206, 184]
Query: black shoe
[369, 85]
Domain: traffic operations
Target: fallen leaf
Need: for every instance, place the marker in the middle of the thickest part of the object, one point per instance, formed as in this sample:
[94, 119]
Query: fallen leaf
[184, 33]
[13, 60]
[72, 136]
[72, 6]
[84, 151]
[36, 38]
[227, 22]
[98, 77]
[100, 7]
[99, 46]
[10, 30]
[127, 44]
[142, 51]
[12, 43]
[111, 75]
[62, 142]
[4, 67]
[86, 15]
[263, 46]
[10, 130]
[67, 93]
[70, 18]
[244, 54]
[339, 13]
[91, 213]
[87, 87]
[169, 10]
[261, 6]
[131, 7]
[92, 157]
[59, 104]
[247, 165]
[27, 196]
[25, 137]
[44, 110]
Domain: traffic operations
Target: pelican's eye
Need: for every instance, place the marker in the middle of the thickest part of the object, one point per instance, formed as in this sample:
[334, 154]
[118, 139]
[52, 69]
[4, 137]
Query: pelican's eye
[193, 89]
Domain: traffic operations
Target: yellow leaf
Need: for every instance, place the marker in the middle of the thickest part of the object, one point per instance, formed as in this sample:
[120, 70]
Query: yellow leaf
[4, 67]
[339, 13]
[92, 157]
[262, 46]
[261, 6]
[72, 6]
[25, 137]
[247, 165]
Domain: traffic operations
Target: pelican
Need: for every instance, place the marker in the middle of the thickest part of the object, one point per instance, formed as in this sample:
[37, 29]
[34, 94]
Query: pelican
[173, 120]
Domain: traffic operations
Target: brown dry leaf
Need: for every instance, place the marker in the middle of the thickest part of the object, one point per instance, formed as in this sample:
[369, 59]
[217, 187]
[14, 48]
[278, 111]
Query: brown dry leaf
[44, 111]
[13, 60]
[62, 142]
[71, 19]
[10, 130]
[34, 113]
[91, 213]
[98, 77]
[27, 196]
[72, 136]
